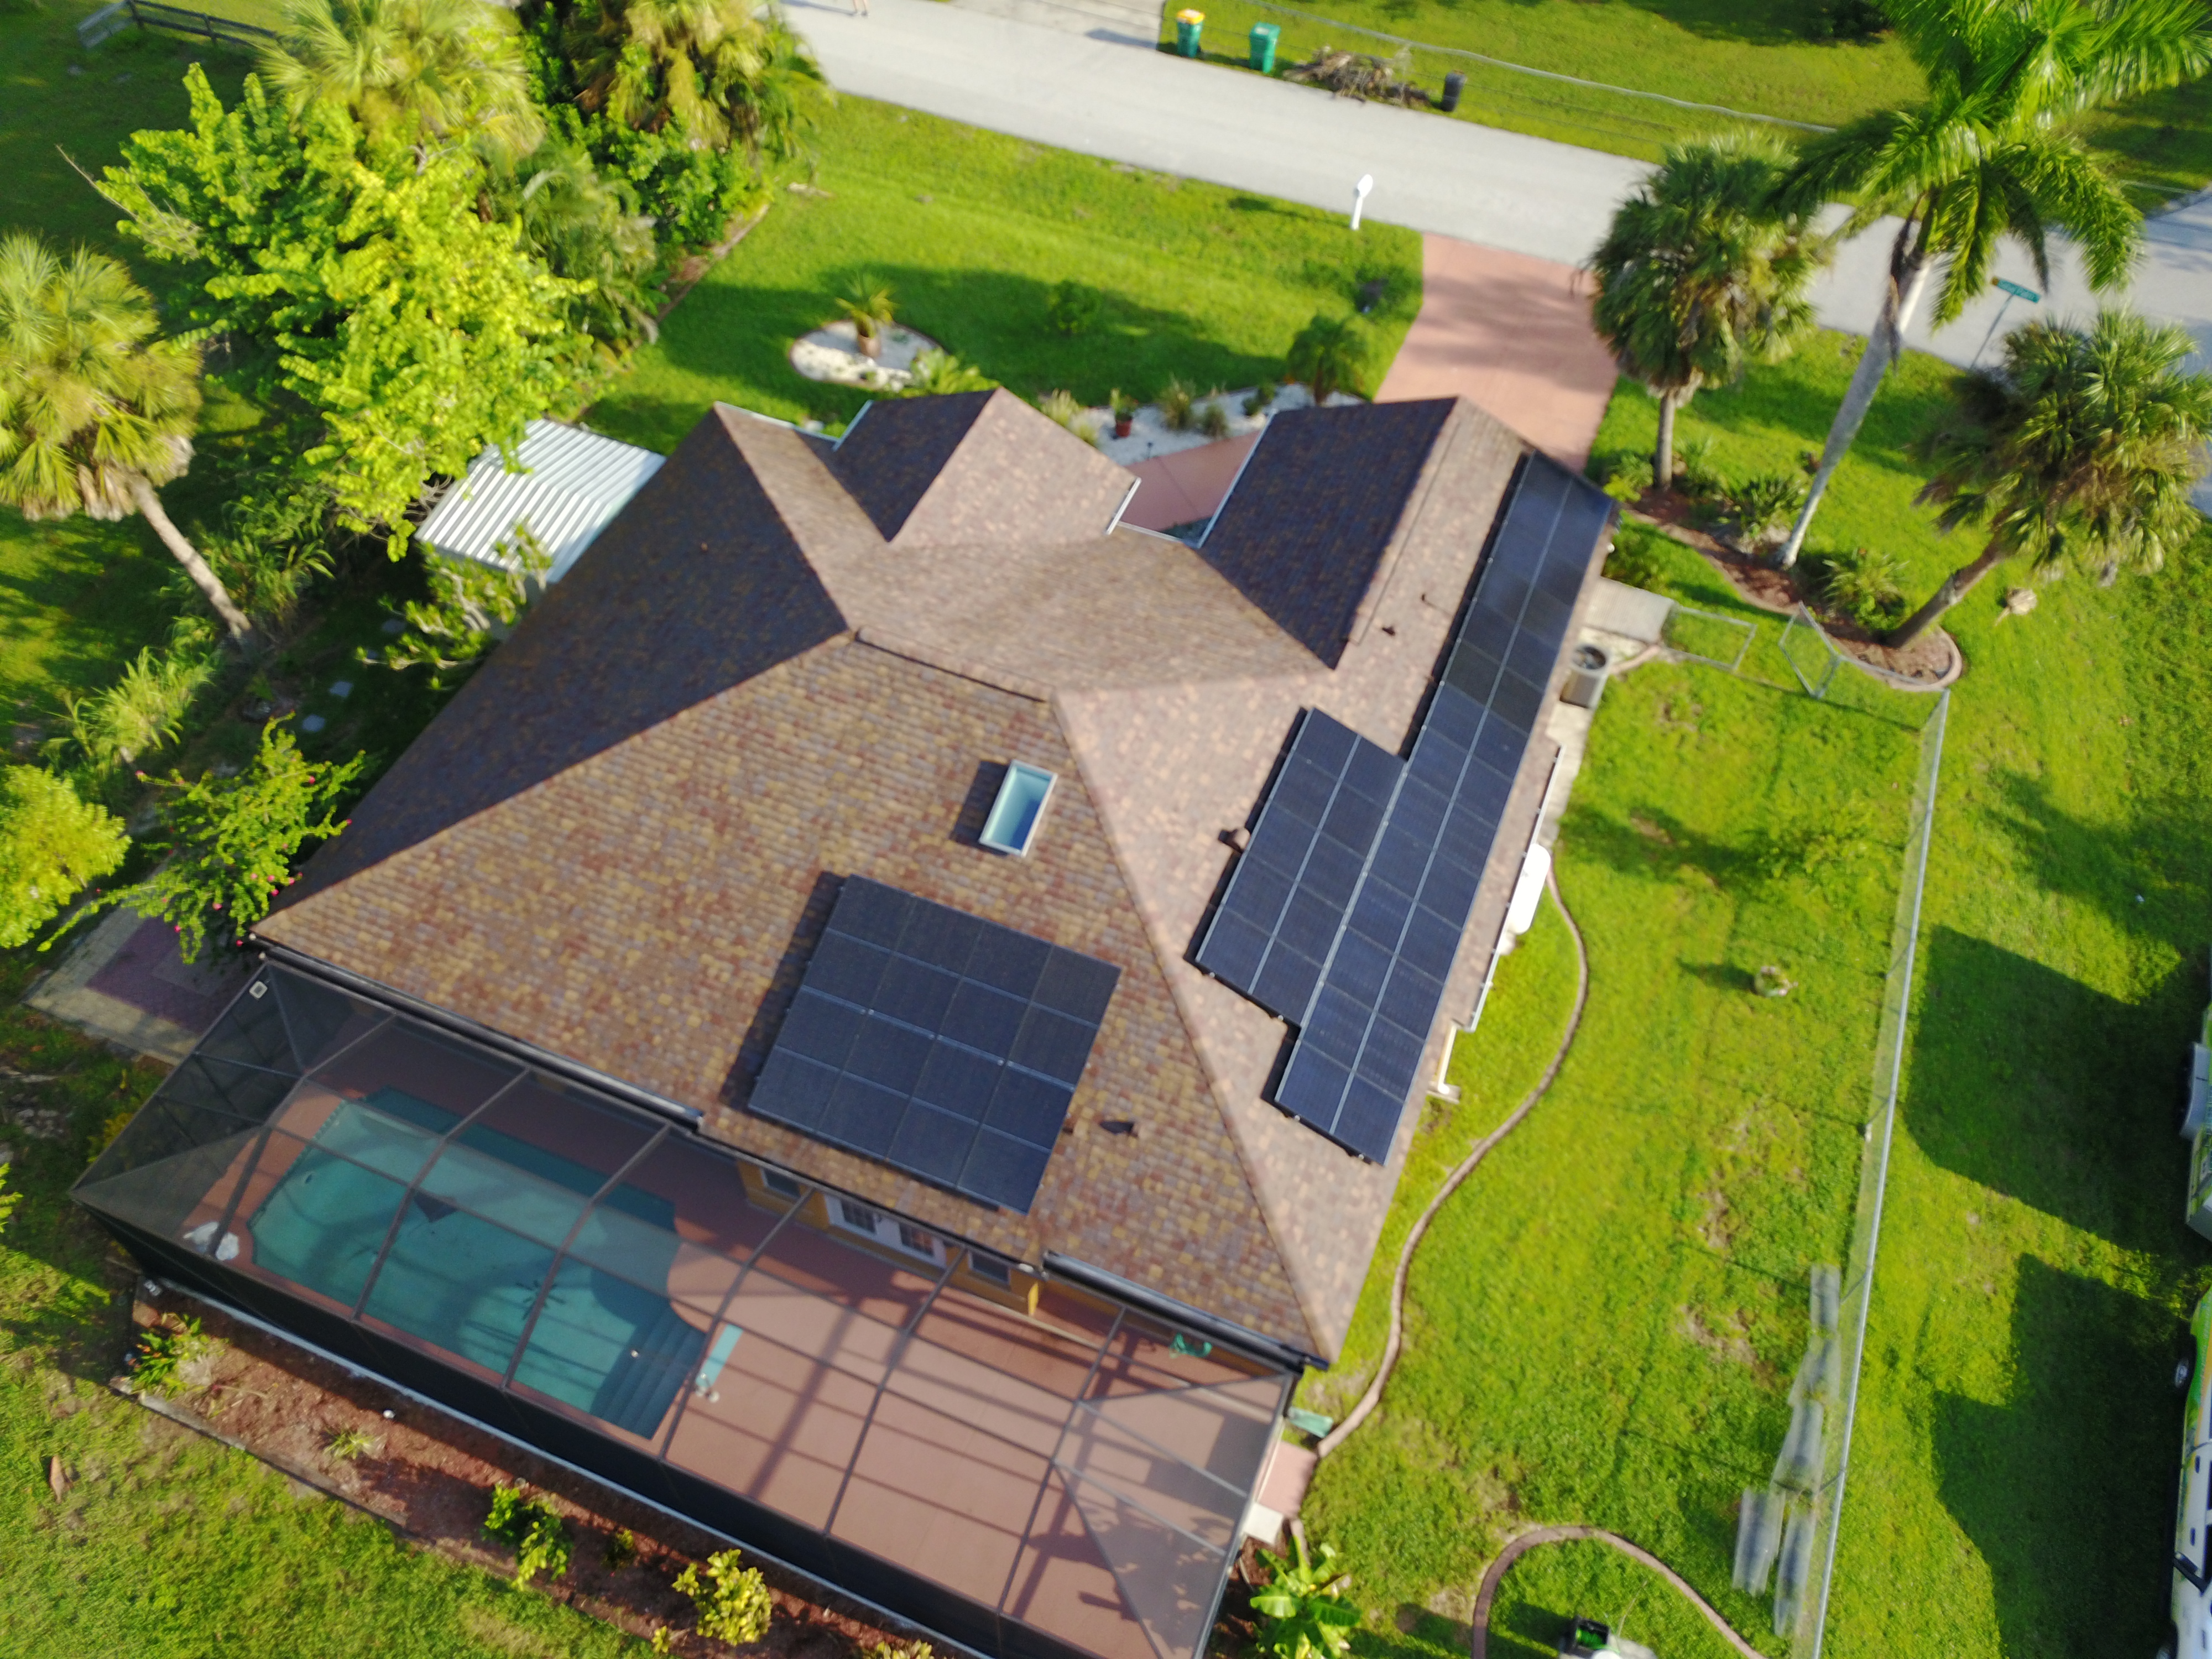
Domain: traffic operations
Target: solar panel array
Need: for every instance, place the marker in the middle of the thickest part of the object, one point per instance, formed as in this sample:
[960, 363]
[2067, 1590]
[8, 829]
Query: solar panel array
[945, 1045]
[1296, 880]
[1364, 995]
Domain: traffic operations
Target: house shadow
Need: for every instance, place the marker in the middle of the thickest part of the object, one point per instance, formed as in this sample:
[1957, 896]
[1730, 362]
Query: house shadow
[2070, 1483]
[2051, 1093]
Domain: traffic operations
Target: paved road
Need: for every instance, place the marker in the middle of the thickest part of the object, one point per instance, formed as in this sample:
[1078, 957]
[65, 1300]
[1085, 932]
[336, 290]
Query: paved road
[1106, 96]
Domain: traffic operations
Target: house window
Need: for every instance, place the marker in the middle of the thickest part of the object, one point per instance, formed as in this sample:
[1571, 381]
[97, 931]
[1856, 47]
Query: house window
[991, 1270]
[855, 1217]
[782, 1184]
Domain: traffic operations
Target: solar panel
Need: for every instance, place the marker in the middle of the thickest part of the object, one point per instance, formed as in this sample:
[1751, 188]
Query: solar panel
[944, 1045]
[1365, 1001]
[1286, 902]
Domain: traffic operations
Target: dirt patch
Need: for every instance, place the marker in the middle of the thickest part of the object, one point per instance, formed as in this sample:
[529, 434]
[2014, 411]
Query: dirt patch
[1729, 1342]
[1931, 661]
[1714, 1229]
[431, 1476]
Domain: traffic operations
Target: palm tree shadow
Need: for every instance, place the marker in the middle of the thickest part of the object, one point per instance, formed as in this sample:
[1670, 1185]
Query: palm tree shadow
[2034, 1086]
[2066, 1488]
[2163, 849]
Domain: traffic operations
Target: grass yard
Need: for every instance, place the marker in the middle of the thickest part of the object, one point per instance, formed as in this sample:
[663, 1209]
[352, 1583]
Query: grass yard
[2013, 1482]
[1573, 1354]
[972, 231]
[1763, 57]
[1605, 1320]
[77, 599]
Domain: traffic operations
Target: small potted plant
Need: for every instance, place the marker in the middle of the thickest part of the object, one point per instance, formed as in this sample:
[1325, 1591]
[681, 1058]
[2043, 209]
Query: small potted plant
[1125, 411]
[871, 308]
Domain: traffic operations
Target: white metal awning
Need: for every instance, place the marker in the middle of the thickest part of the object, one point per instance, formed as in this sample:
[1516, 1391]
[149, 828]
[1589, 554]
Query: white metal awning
[571, 483]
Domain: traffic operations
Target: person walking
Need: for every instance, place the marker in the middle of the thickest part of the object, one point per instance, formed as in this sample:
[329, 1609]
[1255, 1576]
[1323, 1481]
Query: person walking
[860, 8]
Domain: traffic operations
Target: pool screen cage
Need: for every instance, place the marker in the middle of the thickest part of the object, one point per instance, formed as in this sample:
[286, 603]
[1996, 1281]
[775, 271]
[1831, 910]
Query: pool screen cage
[1015, 1461]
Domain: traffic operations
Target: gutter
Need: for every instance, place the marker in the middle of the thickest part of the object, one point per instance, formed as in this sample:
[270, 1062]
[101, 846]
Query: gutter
[1211, 1325]
[526, 1054]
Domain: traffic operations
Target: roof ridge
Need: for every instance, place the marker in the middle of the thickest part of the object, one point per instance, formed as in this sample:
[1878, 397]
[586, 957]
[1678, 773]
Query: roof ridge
[983, 673]
[1179, 992]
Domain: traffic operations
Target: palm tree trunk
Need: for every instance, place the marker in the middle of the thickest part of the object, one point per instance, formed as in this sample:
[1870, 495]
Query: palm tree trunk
[1955, 587]
[1662, 458]
[205, 580]
[1900, 299]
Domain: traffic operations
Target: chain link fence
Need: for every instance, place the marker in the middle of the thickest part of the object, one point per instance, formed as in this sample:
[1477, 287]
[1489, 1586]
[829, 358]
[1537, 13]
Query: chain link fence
[1787, 1532]
[1824, 1511]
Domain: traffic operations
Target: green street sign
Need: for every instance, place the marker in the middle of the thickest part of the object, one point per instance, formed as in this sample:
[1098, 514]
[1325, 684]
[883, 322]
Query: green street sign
[2020, 293]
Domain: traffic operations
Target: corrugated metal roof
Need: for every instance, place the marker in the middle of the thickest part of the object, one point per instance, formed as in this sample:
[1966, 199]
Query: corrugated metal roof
[572, 481]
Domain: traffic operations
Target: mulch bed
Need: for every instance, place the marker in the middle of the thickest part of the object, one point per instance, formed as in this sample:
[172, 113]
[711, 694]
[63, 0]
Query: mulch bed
[1930, 661]
[431, 1476]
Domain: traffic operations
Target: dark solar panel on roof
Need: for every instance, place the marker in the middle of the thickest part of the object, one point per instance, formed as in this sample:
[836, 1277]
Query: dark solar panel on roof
[945, 1045]
[1360, 969]
[1286, 902]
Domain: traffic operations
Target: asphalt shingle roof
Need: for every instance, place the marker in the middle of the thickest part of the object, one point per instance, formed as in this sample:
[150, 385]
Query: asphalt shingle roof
[620, 840]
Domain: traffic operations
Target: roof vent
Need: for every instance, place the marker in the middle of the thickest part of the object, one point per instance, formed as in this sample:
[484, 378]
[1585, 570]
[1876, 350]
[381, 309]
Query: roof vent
[1012, 824]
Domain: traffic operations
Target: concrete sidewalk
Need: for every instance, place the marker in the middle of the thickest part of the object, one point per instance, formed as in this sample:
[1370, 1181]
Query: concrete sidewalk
[1114, 98]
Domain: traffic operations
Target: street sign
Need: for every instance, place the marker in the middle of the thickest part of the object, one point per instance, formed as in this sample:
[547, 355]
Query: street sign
[2011, 291]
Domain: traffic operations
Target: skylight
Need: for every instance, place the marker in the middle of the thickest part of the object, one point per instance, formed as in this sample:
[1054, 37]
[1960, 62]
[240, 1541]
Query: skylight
[1015, 815]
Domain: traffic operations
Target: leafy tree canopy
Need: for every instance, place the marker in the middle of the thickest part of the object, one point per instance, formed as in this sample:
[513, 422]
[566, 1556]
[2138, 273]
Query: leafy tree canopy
[418, 331]
[51, 845]
[235, 839]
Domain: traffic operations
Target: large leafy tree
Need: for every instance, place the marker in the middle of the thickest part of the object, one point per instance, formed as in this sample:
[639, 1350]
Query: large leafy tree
[359, 280]
[2080, 452]
[51, 845]
[96, 406]
[233, 839]
[1703, 272]
[719, 72]
[427, 71]
[1987, 154]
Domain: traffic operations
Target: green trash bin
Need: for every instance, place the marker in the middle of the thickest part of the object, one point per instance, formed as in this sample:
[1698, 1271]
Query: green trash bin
[1188, 25]
[1264, 36]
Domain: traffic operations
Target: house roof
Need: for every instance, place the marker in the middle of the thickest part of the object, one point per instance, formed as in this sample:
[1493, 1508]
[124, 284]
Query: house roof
[566, 484]
[782, 667]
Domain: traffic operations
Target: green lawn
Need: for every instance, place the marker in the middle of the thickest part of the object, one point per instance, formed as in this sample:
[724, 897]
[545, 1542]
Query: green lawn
[2013, 1466]
[77, 599]
[1764, 57]
[1605, 1320]
[972, 231]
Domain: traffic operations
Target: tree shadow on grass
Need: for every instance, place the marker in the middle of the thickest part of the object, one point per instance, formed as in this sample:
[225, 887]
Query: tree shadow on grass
[734, 341]
[2036, 1086]
[2163, 849]
[2067, 1487]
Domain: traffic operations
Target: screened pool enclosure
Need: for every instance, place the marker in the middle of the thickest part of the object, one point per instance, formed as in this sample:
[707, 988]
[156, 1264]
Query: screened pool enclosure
[1019, 1463]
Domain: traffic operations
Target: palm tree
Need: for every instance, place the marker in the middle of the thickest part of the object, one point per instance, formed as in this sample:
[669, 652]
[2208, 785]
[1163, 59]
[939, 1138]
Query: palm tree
[1984, 156]
[585, 226]
[871, 308]
[2081, 450]
[95, 409]
[1329, 354]
[426, 69]
[718, 71]
[1701, 272]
